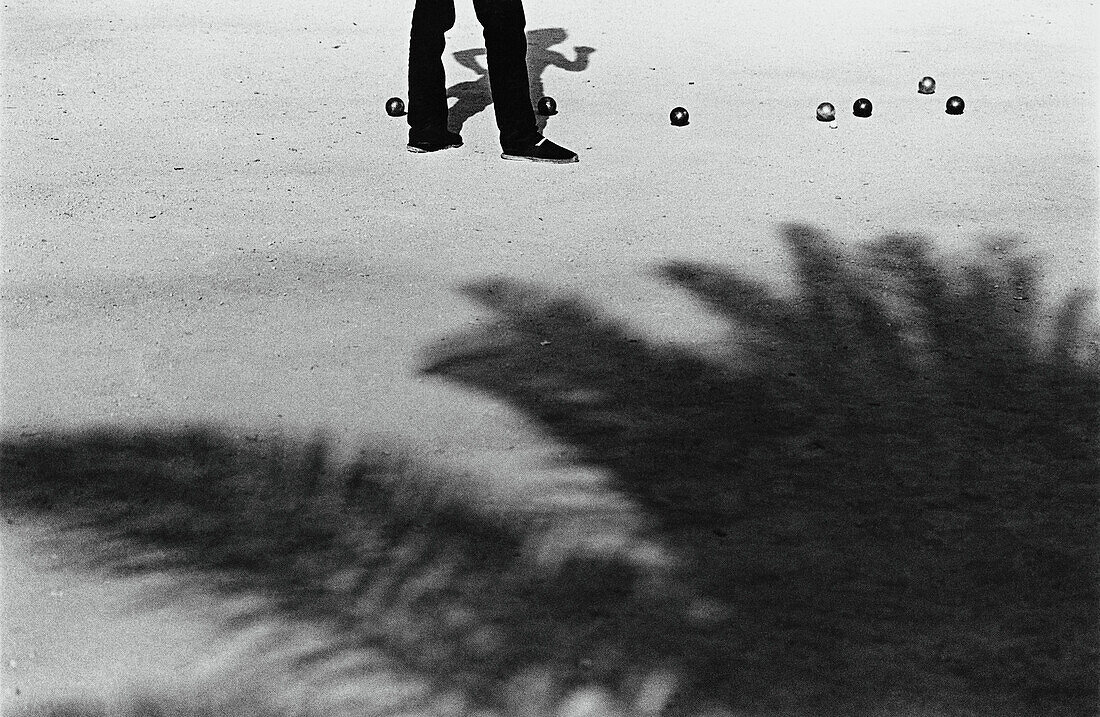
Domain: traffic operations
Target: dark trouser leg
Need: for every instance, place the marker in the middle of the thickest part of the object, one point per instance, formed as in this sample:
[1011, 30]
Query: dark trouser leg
[427, 80]
[506, 55]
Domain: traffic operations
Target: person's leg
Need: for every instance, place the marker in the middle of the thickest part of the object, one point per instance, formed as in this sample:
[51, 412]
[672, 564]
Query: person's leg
[506, 55]
[427, 81]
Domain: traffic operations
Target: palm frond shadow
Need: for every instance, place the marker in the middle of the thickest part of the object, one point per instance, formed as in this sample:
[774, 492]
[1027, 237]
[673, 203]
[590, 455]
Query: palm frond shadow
[881, 502]
[889, 486]
[412, 593]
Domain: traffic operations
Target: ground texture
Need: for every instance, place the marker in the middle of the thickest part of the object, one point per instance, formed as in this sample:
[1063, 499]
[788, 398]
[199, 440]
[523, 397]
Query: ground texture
[756, 415]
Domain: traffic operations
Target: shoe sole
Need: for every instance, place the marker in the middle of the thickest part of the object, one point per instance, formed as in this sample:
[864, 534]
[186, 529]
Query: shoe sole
[521, 158]
[419, 150]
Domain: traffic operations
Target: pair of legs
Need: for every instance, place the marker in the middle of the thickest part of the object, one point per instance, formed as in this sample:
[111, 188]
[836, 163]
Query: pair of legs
[506, 55]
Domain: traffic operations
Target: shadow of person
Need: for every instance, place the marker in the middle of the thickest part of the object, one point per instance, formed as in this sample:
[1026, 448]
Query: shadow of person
[540, 58]
[474, 96]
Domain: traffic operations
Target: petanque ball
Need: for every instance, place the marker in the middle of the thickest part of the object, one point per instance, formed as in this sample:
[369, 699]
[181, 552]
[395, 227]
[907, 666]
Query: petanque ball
[395, 107]
[547, 106]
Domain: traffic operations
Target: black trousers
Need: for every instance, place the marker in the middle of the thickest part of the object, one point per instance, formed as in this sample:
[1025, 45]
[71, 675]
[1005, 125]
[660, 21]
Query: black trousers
[506, 54]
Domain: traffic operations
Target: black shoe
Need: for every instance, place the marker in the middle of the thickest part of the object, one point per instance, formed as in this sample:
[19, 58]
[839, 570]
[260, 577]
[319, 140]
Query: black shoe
[542, 150]
[434, 143]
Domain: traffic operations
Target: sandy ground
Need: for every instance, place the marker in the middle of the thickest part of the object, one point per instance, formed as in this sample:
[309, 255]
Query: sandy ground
[208, 217]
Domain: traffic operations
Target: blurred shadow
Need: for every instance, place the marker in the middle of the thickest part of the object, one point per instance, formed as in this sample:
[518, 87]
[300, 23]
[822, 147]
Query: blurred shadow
[882, 499]
[412, 592]
[145, 706]
[888, 481]
[474, 96]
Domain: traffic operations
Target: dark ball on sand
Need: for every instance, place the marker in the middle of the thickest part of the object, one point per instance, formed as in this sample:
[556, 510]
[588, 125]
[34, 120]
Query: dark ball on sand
[955, 105]
[547, 106]
[395, 107]
[862, 107]
[926, 86]
[826, 112]
[678, 116]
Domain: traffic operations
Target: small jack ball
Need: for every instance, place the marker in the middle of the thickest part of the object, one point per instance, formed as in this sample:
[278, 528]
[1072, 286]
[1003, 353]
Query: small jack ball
[955, 105]
[678, 116]
[547, 106]
[862, 107]
[927, 86]
[826, 112]
[395, 107]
